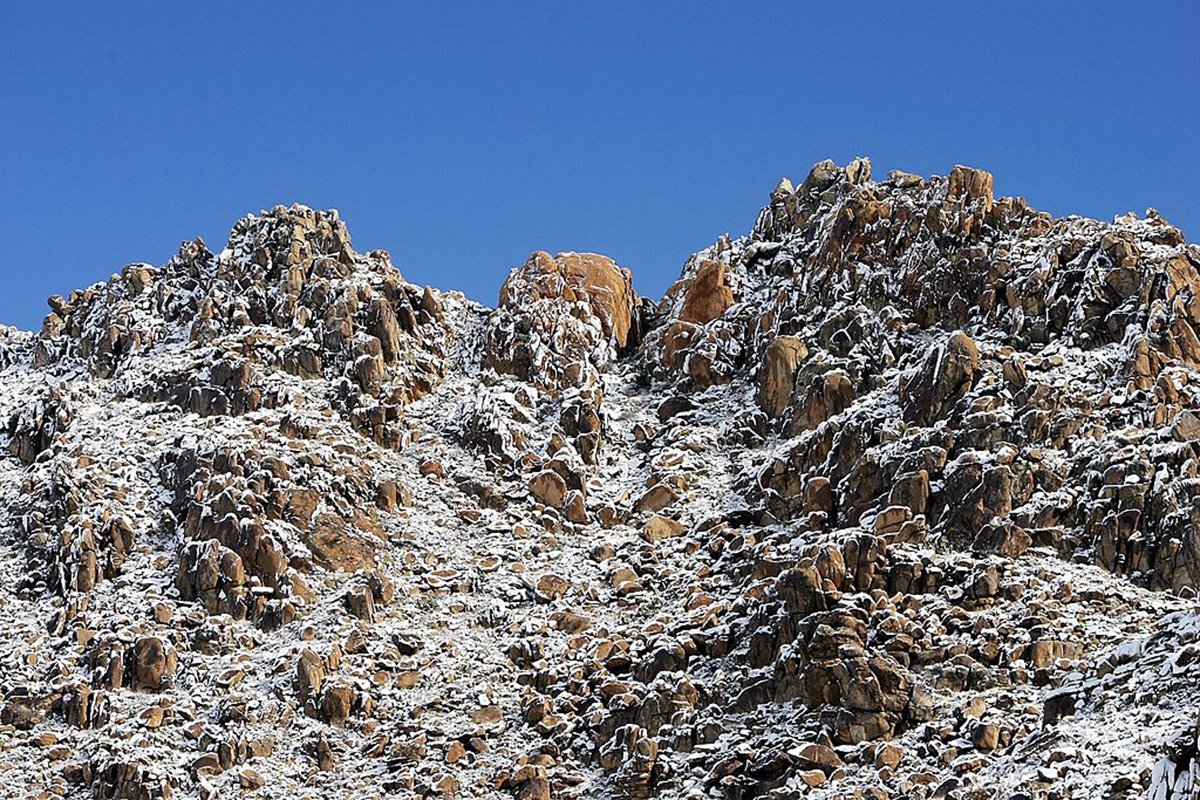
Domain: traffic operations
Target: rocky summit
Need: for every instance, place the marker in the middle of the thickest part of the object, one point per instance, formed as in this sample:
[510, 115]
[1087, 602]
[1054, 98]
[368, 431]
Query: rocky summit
[895, 496]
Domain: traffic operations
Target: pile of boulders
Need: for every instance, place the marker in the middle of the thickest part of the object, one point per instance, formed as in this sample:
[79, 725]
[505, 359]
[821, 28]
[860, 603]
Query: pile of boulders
[895, 496]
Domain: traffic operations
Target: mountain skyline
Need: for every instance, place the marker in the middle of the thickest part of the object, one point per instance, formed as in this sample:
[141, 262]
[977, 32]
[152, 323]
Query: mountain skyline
[464, 137]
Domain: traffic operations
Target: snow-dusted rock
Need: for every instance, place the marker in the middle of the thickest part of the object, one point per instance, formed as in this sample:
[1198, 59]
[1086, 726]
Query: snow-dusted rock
[896, 495]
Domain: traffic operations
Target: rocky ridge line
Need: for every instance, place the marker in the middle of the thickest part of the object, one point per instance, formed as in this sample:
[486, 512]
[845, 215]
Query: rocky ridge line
[896, 496]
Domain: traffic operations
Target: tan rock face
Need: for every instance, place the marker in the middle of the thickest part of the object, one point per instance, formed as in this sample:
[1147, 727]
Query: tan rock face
[781, 360]
[659, 527]
[821, 398]
[708, 294]
[970, 187]
[587, 277]
[338, 543]
[969, 199]
[694, 341]
[560, 318]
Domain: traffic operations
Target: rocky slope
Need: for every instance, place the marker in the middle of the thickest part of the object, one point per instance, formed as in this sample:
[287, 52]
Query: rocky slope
[896, 496]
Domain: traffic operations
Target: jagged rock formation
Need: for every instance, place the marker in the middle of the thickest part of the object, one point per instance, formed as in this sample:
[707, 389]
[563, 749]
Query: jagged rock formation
[896, 496]
[562, 318]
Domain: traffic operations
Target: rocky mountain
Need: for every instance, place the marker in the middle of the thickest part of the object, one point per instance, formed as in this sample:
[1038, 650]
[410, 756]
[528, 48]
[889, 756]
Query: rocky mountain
[896, 496]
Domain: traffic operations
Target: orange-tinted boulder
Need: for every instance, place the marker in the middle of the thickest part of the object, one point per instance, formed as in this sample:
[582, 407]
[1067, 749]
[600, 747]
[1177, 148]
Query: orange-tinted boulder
[595, 279]
[707, 295]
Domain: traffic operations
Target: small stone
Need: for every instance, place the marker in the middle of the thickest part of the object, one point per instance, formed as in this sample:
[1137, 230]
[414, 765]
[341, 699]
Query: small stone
[153, 717]
[818, 756]
[206, 763]
[531, 782]
[576, 510]
[1014, 372]
[888, 755]
[151, 662]
[659, 527]
[891, 519]
[163, 612]
[1186, 427]
[251, 779]
[549, 488]
[986, 737]
[656, 498]
[486, 715]
[813, 777]
[552, 587]
[432, 468]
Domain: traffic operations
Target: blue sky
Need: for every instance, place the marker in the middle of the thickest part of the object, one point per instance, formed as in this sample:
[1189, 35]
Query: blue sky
[461, 136]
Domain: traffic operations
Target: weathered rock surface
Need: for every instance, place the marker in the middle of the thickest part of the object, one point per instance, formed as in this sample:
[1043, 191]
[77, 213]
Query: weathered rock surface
[560, 317]
[896, 496]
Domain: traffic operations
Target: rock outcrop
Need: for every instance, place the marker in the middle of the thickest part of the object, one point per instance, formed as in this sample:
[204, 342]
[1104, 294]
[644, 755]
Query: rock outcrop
[562, 317]
[897, 495]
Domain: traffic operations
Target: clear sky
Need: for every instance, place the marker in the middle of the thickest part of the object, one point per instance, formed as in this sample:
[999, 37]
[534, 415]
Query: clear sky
[461, 136]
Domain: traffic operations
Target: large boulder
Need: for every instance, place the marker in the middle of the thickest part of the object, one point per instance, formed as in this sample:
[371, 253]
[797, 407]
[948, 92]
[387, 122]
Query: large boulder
[573, 277]
[560, 317]
[947, 373]
[707, 294]
[776, 381]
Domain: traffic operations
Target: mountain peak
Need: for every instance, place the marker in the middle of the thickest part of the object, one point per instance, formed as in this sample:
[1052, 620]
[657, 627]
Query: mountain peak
[855, 508]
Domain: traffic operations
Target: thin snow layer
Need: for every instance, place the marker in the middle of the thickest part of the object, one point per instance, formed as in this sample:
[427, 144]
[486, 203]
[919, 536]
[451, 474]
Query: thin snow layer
[507, 630]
